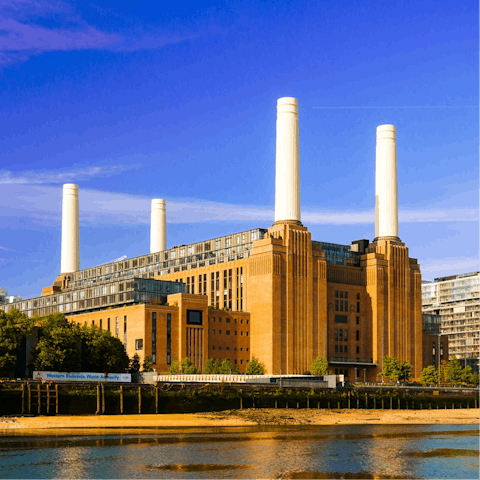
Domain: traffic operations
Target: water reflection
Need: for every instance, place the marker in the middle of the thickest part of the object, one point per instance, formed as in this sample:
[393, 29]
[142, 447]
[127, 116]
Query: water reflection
[371, 451]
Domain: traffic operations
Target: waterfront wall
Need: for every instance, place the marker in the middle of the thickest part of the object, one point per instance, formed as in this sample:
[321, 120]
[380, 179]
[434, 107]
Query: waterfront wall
[41, 399]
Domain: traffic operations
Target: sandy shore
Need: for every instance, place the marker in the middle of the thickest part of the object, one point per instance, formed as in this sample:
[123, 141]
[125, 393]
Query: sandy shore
[248, 417]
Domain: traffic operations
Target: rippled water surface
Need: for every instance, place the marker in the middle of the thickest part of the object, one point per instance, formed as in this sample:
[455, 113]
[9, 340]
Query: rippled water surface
[370, 451]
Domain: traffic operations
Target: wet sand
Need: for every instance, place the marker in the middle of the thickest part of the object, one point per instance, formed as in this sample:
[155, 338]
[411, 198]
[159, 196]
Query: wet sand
[247, 417]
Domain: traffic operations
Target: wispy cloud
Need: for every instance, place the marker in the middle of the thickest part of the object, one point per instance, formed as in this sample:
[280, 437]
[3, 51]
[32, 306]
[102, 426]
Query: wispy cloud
[49, 177]
[97, 207]
[8, 249]
[21, 35]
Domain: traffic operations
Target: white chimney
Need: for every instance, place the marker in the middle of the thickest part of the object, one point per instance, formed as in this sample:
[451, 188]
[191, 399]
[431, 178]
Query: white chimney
[287, 173]
[70, 229]
[158, 227]
[386, 202]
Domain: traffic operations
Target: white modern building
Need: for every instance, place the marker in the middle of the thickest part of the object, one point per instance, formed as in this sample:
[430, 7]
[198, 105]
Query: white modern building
[457, 300]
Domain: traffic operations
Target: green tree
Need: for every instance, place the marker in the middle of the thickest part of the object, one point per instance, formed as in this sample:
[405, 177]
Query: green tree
[58, 345]
[14, 326]
[255, 367]
[134, 364]
[473, 378]
[319, 366]
[211, 367]
[454, 371]
[148, 364]
[443, 371]
[391, 368]
[429, 375]
[226, 366]
[188, 368]
[405, 370]
[102, 352]
[174, 368]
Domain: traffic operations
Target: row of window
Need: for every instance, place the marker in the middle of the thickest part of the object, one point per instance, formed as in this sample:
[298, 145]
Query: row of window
[344, 294]
[341, 335]
[227, 320]
[344, 349]
[227, 332]
[227, 348]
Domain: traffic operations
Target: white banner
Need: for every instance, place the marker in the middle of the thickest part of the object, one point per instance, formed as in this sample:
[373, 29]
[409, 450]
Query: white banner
[82, 377]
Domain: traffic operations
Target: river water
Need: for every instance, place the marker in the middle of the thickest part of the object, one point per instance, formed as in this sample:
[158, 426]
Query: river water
[353, 451]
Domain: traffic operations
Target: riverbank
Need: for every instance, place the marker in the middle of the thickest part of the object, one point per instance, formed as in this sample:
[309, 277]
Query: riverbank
[248, 417]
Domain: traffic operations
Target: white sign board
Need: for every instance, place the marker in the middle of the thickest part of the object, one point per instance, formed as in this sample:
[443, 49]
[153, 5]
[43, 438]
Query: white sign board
[82, 377]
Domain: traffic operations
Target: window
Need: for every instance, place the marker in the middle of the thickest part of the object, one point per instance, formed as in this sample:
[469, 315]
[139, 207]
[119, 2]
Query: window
[341, 348]
[213, 319]
[346, 305]
[340, 335]
[358, 296]
[345, 348]
[358, 349]
[182, 252]
[241, 362]
[241, 321]
[217, 244]
[93, 323]
[336, 293]
[341, 319]
[169, 338]
[341, 294]
[346, 294]
[154, 337]
[341, 305]
[100, 324]
[228, 320]
[336, 335]
[213, 348]
[228, 348]
[213, 331]
[235, 332]
[108, 324]
[194, 317]
[358, 320]
[219, 320]
[139, 344]
[228, 332]
[219, 348]
[345, 335]
[219, 332]
[116, 327]
[358, 335]
[336, 305]
[190, 250]
[336, 348]
[228, 242]
[241, 334]
[358, 307]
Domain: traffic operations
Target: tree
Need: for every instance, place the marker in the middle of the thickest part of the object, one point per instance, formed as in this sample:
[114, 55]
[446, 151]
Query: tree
[443, 371]
[405, 370]
[255, 367]
[58, 345]
[102, 352]
[454, 371]
[391, 368]
[14, 326]
[211, 367]
[174, 368]
[226, 367]
[134, 364]
[148, 364]
[188, 368]
[319, 366]
[429, 375]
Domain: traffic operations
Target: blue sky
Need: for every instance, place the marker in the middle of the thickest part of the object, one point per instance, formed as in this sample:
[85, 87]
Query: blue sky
[177, 100]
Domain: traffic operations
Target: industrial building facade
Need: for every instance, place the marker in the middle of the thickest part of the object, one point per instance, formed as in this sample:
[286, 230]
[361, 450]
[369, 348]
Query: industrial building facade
[273, 293]
[456, 300]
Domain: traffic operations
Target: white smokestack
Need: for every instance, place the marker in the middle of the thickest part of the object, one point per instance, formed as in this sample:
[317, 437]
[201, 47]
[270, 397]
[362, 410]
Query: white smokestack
[70, 230]
[386, 201]
[158, 227]
[287, 173]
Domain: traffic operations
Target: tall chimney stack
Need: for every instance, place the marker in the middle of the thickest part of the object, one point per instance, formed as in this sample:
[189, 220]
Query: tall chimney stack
[287, 174]
[386, 202]
[70, 230]
[158, 227]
